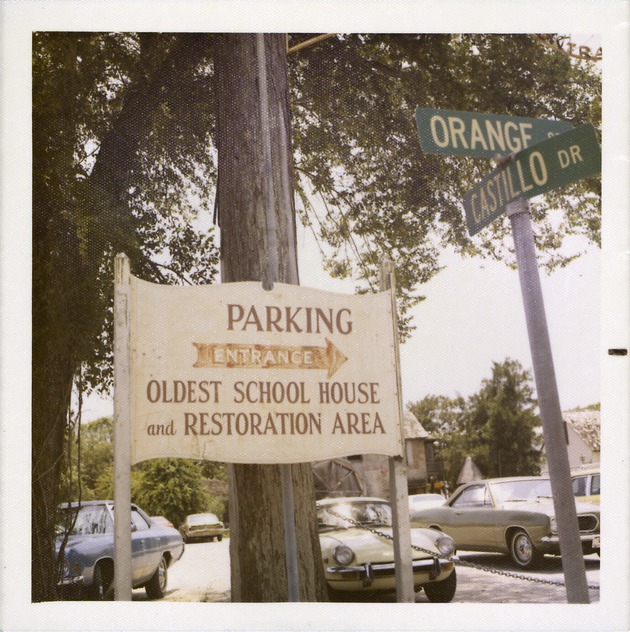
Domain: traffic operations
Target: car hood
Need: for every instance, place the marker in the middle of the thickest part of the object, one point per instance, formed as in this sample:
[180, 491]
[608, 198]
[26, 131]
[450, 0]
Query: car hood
[72, 540]
[369, 546]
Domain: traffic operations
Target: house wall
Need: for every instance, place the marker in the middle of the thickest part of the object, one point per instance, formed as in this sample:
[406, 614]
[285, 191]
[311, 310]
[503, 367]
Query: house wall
[578, 451]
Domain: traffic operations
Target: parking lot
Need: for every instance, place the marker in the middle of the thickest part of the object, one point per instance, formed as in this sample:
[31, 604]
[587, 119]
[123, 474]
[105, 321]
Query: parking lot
[203, 575]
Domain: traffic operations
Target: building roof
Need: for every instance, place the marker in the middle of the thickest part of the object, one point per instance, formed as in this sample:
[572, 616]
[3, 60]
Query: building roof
[469, 472]
[413, 428]
[586, 425]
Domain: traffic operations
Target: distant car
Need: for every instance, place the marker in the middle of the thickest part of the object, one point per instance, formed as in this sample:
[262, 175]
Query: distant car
[514, 516]
[586, 484]
[162, 521]
[358, 552]
[202, 526]
[88, 555]
[424, 501]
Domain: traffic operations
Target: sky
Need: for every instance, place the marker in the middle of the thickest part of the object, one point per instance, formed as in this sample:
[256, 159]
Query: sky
[473, 316]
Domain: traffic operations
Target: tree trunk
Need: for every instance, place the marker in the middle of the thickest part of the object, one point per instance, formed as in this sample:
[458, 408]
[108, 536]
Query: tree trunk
[56, 264]
[257, 220]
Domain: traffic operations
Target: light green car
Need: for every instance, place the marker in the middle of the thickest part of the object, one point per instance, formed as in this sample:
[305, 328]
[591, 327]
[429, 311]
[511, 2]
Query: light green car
[358, 551]
[203, 526]
[586, 484]
[515, 516]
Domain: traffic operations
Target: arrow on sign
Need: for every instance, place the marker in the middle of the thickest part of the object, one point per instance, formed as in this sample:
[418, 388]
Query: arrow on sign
[244, 356]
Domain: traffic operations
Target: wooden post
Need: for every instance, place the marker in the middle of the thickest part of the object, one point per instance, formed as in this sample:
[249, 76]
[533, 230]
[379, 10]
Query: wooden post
[398, 471]
[122, 429]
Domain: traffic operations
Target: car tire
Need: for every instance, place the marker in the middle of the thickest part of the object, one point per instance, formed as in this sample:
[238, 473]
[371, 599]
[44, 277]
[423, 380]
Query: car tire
[102, 588]
[442, 591]
[219, 538]
[156, 586]
[522, 550]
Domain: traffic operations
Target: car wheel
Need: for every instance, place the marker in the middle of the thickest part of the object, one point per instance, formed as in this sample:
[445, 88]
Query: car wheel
[522, 550]
[156, 586]
[219, 538]
[442, 591]
[102, 588]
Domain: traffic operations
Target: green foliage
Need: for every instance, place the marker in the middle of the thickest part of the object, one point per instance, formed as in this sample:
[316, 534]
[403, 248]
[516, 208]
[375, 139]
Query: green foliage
[597, 406]
[124, 161]
[438, 414]
[171, 488]
[497, 426]
[378, 195]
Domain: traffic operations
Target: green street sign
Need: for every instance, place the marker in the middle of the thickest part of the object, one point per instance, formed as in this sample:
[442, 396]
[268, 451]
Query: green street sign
[556, 162]
[481, 135]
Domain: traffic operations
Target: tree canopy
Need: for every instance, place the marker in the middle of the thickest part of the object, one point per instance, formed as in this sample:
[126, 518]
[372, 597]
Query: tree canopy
[125, 159]
[498, 426]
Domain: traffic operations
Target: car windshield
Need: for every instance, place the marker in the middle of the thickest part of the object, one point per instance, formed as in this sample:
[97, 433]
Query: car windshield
[529, 489]
[84, 520]
[344, 515]
[202, 519]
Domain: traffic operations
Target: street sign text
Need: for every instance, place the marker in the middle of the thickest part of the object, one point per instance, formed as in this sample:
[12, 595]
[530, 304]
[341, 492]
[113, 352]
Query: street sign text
[554, 163]
[481, 135]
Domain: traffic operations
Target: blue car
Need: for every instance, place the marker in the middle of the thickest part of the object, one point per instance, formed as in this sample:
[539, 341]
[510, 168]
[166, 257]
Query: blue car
[86, 532]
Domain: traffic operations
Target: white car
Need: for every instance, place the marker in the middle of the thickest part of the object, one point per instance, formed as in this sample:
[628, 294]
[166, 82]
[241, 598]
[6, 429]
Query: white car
[358, 550]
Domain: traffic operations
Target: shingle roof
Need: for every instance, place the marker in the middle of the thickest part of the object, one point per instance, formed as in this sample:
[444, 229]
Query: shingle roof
[413, 428]
[586, 425]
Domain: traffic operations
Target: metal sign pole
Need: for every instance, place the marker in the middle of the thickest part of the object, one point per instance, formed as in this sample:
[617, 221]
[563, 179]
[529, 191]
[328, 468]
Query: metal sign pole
[122, 430]
[549, 404]
[401, 526]
[288, 508]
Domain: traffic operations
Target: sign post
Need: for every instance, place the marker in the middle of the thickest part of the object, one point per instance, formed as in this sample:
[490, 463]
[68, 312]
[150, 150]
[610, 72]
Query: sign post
[240, 374]
[398, 481]
[528, 165]
[549, 404]
[122, 430]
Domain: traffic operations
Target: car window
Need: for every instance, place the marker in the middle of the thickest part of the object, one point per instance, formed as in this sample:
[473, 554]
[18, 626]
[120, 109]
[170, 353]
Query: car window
[202, 519]
[90, 520]
[343, 515]
[475, 496]
[579, 486]
[526, 489]
[138, 521]
[595, 485]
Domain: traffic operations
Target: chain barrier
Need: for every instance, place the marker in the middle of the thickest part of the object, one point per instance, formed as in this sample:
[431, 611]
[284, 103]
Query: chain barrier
[479, 567]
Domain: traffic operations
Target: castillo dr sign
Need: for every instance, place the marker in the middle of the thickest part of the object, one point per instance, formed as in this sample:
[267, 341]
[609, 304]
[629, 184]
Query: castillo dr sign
[481, 135]
[554, 163]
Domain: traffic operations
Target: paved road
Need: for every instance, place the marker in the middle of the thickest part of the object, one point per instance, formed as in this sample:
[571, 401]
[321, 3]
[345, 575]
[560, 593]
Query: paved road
[203, 574]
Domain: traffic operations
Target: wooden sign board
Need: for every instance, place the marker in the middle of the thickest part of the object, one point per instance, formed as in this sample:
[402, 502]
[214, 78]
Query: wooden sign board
[238, 374]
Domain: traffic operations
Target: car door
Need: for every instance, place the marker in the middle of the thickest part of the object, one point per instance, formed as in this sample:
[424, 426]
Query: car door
[148, 546]
[472, 520]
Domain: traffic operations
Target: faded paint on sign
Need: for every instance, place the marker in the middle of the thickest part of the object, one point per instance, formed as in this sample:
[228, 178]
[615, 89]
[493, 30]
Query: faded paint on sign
[239, 374]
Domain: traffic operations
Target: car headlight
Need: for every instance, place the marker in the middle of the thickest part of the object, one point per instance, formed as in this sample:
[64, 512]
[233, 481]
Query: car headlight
[343, 555]
[445, 544]
[554, 526]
